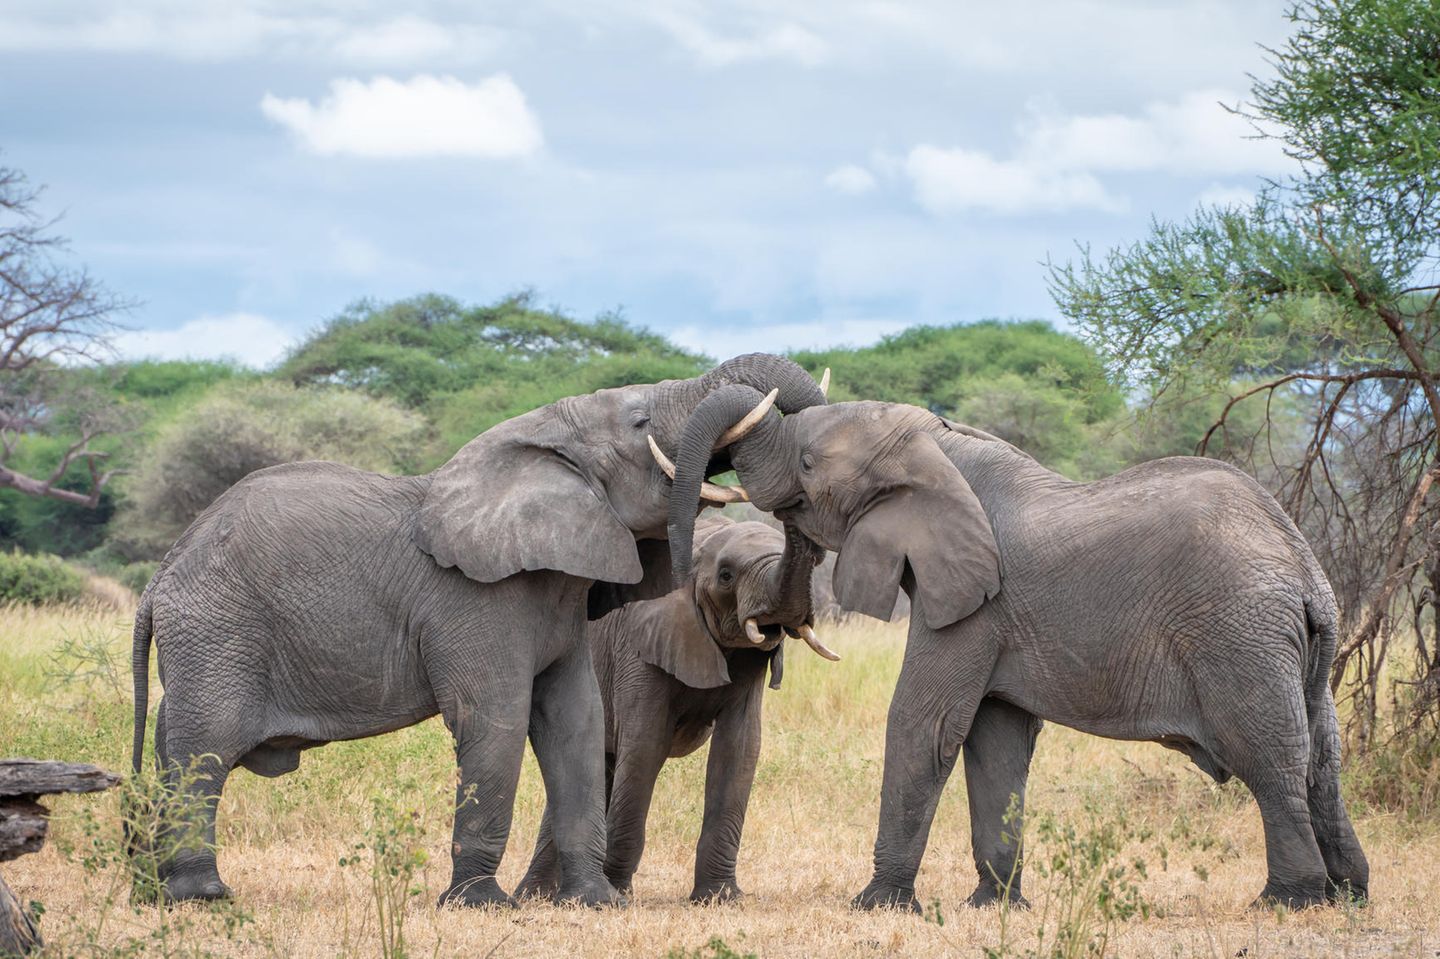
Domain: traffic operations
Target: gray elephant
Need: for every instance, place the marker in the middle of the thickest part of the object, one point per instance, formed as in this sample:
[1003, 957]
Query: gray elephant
[313, 602]
[1174, 602]
[677, 668]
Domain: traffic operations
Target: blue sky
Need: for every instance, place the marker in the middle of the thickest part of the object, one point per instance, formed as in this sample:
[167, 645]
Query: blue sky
[743, 176]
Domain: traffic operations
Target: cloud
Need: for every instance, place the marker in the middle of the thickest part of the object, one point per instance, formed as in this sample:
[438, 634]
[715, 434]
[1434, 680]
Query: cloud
[1220, 194]
[850, 179]
[959, 180]
[247, 337]
[411, 39]
[1058, 160]
[780, 41]
[424, 116]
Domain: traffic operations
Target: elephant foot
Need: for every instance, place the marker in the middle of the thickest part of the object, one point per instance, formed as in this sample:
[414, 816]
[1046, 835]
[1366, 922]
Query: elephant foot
[476, 893]
[1291, 895]
[538, 885]
[988, 893]
[878, 895]
[711, 894]
[593, 895]
[203, 886]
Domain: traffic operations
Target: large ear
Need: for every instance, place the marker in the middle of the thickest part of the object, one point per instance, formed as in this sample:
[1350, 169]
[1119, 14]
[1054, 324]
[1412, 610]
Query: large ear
[682, 649]
[504, 504]
[934, 522]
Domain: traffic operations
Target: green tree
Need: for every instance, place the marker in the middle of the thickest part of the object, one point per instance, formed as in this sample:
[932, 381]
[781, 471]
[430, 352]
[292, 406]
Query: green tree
[1043, 390]
[204, 449]
[1322, 295]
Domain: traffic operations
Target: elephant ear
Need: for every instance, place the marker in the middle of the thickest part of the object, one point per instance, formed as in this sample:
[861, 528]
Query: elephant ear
[935, 523]
[505, 504]
[681, 648]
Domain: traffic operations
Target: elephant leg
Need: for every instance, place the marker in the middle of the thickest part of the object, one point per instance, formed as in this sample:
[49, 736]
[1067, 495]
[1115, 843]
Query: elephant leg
[729, 774]
[200, 747]
[997, 763]
[939, 691]
[1345, 864]
[489, 729]
[567, 732]
[542, 878]
[643, 744]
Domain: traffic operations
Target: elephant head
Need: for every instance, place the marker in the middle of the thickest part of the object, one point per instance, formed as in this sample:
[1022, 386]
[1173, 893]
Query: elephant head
[750, 589]
[871, 481]
[572, 485]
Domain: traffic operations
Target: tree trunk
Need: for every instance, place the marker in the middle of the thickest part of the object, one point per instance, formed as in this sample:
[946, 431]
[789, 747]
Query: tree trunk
[18, 935]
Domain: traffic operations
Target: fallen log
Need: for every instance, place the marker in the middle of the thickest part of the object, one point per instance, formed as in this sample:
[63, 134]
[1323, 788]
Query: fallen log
[23, 823]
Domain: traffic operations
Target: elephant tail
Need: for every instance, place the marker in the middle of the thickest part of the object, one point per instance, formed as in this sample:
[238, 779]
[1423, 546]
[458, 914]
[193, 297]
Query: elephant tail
[1322, 623]
[140, 672]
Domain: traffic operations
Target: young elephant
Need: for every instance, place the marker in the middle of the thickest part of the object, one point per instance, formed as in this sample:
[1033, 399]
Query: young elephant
[675, 669]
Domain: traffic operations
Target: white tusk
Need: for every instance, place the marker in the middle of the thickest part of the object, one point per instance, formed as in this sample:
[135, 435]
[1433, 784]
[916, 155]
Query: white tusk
[737, 432]
[807, 633]
[752, 632]
[825, 383]
[713, 492]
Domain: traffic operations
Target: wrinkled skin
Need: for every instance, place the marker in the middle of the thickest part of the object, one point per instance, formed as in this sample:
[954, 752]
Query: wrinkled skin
[313, 602]
[673, 671]
[1173, 602]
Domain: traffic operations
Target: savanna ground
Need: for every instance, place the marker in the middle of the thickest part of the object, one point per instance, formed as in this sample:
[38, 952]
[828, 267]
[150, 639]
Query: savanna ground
[64, 693]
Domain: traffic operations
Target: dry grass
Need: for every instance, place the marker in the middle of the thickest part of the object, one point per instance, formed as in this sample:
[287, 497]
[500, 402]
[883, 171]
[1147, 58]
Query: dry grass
[807, 846]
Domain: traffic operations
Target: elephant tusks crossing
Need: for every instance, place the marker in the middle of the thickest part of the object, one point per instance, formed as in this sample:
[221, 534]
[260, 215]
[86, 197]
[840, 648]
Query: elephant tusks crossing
[807, 633]
[752, 631]
[710, 491]
[737, 432]
[825, 383]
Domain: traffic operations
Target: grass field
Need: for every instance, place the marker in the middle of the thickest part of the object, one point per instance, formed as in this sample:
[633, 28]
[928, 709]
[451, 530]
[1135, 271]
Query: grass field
[64, 693]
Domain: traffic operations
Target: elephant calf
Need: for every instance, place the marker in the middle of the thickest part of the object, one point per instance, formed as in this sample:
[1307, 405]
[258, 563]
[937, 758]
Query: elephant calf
[675, 669]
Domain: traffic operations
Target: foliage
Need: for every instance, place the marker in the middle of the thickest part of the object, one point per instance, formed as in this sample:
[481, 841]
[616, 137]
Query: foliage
[715, 948]
[392, 852]
[1043, 390]
[1319, 299]
[239, 428]
[38, 579]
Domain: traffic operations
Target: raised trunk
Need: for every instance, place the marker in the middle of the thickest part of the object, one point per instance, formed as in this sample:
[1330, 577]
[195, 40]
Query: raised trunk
[790, 578]
[730, 390]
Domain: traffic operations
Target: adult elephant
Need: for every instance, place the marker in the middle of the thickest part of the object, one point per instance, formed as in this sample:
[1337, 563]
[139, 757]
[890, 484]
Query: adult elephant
[1173, 602]
[313, 602]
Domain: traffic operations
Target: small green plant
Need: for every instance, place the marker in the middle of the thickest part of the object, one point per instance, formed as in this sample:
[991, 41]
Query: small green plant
[716, 948]
[38, 579]
[122, 853]
[89, 658]
[392, 852]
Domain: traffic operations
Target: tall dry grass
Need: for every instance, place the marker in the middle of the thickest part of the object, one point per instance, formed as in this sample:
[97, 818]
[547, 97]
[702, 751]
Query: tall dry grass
[64, 693]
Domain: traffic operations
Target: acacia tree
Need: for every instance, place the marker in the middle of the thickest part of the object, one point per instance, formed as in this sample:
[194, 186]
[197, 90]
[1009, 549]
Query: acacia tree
[50, 315]
[1320, 298]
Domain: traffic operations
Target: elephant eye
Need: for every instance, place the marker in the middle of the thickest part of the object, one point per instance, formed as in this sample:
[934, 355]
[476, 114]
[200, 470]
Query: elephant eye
[639, 418]
[726, 576]
[807, 462]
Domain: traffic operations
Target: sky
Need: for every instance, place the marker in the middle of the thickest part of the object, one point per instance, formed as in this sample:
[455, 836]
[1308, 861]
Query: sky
[748, 176]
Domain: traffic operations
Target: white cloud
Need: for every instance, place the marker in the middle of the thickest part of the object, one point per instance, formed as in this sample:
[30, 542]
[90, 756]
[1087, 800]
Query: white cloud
[411, 39]
[851, 179]
[425, 116]
[959, 180]
[780, 41]
[1058, 160]
[1220, 194]
[252, 339]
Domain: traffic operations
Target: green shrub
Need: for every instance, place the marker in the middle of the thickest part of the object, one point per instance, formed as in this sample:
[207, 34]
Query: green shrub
[27, 578]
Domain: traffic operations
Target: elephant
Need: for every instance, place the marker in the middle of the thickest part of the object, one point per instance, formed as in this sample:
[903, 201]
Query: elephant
[1174, 602]
[314, 602]
[677, 668]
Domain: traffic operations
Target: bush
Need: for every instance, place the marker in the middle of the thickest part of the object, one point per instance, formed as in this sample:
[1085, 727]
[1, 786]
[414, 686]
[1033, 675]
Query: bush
[237, 429]
[26, 578]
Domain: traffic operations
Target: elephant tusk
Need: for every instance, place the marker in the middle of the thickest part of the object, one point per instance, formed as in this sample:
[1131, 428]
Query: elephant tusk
[807, 633]
[825, 383]
[752, 632]
[737, 432]
[713, 492]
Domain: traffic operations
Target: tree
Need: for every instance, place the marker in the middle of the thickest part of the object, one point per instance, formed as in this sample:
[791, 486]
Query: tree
[50, 315]
[1322, 295]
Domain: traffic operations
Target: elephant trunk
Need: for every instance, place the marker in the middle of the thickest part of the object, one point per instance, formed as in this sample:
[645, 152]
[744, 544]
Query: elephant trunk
[790, 579]
[728, 392]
